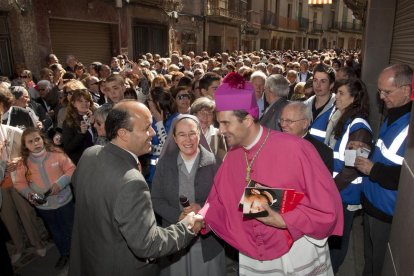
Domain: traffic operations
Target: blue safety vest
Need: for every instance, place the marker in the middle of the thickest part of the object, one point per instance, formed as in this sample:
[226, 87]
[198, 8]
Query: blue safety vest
[351, 195]
[389, 150]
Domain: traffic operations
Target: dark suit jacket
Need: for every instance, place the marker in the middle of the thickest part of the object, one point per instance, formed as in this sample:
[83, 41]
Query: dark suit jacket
[115, 229]
[324, 151]
[308, 76]
[165, 193]
[20, 117]
[272, 115]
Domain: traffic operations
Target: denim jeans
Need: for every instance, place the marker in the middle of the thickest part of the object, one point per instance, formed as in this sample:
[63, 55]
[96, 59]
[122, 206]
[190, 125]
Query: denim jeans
[60, 224]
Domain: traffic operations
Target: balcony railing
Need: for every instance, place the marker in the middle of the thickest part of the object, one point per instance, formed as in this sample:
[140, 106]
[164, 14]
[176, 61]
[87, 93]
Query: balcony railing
[316, 28]
[215, 10]
[288, 23]
[351, 27]
[333, 25]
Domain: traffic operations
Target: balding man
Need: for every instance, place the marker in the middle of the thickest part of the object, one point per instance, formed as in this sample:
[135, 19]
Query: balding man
[382, 169]
[276, 92]
[115, 231]
[295, 119]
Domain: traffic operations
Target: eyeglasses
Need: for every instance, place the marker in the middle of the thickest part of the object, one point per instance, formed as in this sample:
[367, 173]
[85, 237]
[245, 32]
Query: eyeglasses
[387, 93]
[95, 83]
[24, 77]
[190, 135]
[205, 113]
[183, 96]
[288, 122]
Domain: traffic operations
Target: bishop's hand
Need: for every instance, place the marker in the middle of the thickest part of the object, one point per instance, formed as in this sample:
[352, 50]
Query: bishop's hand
[274, 219]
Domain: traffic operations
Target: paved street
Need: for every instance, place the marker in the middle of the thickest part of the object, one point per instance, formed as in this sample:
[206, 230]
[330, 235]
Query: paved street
[353, 265]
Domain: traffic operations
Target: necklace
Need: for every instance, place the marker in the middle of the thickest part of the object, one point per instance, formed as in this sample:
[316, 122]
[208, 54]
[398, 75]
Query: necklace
[249, 166]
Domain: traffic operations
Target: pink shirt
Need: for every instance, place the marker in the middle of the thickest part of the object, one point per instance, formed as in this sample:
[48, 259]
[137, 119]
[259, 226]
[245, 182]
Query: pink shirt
[285, 161]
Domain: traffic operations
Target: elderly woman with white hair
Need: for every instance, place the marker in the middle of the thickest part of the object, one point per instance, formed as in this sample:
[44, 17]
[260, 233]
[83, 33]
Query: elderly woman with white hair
[38, 115]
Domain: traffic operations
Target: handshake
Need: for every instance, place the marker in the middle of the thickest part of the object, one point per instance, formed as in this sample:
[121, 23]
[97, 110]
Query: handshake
[194, 222]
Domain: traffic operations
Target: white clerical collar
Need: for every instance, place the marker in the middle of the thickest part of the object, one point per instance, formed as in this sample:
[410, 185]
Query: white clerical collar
[256, 140]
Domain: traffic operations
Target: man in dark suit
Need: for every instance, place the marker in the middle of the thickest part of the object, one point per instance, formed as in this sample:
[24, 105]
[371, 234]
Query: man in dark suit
[276, 92]
[295, 119]
[115, 231]
[304, 74]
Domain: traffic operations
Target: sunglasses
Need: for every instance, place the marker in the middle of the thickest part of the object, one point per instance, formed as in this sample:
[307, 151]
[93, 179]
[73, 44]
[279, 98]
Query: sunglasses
[23, 77]
[183, 96]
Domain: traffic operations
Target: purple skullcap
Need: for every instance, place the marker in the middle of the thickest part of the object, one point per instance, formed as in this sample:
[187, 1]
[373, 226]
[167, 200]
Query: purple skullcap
[234, 94]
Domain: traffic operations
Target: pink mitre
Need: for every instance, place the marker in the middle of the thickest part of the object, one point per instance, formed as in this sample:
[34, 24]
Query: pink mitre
[234, 94]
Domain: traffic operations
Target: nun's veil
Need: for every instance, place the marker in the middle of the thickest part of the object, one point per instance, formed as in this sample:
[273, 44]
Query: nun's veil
[170, 145]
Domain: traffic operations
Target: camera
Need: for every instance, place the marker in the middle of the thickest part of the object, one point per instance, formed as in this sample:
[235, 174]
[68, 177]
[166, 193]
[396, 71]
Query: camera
[39, 199]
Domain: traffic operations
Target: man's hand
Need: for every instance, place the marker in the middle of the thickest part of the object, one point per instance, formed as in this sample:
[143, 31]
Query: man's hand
[273, 219]
[194, 222]
[194, 207]
[363, 165]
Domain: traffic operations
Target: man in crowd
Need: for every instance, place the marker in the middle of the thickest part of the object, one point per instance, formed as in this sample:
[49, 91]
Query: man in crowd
[276, 92]
[114, 88]
[323, 101]
[208, 84]
[382, 169]
[295, 119]
[289, 243]
[304, 74]
[115, 231]
[258, 79]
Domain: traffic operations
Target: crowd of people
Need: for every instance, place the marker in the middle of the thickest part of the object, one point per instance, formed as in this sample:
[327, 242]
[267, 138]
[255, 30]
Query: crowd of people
[157, 152]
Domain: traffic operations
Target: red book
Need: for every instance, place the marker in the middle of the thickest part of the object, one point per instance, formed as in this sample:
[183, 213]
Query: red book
[255, 194]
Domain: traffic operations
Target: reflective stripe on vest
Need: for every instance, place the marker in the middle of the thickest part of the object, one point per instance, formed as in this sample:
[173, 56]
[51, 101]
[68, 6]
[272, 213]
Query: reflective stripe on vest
[357, 180]
[391, 152]
[317, 132]
[342, 147]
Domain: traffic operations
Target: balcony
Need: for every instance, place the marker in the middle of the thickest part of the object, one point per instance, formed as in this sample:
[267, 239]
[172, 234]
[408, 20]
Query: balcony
[333, 26]
[351, 27]
[288, 23]
[316, 28]
[217, 11]
[303, 24]
[253, 17]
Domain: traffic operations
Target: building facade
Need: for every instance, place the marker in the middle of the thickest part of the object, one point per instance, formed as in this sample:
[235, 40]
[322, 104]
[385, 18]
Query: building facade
[95, 30]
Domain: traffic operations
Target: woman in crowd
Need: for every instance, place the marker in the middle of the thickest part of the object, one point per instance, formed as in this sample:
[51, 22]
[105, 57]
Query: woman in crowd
[182, 99]
[99, 124]
[186, 169]
[299, 92]
[68, 89]
[203, 108]
[77, 131]
[160, 105]
[27, 78]
[43, 178]
[348, 128]
[160, 81]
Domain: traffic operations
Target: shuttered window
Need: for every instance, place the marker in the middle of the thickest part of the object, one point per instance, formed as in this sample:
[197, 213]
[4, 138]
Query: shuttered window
[402, 48]
[88, 41]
